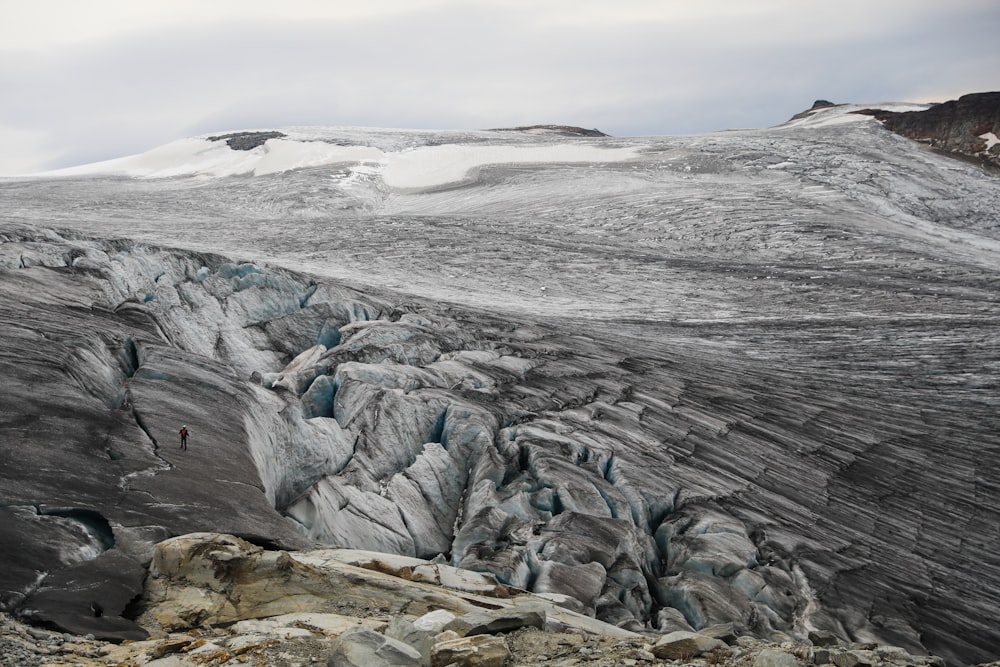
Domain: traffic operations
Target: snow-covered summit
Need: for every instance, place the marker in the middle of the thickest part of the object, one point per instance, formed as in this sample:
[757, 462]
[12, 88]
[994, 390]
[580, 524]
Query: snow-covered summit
[826, 114]
[406, 159]
[402, 159]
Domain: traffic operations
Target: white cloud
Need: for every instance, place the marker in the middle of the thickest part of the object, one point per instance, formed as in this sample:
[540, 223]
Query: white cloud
[44, 24]
[23, 151]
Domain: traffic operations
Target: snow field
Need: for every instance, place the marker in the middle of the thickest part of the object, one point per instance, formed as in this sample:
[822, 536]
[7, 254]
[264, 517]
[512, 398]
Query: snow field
[406, 169]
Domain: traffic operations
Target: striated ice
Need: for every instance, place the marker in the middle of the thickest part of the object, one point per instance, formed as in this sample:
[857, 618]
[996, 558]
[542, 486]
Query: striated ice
[757, 387]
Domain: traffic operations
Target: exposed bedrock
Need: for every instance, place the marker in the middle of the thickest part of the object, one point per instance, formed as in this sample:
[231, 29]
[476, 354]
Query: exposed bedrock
[654, 482]
[246, 141]
[214, 579]
[967, 126]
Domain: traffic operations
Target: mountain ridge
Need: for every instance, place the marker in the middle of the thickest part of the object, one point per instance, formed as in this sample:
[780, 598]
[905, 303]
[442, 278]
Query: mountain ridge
[968, 126]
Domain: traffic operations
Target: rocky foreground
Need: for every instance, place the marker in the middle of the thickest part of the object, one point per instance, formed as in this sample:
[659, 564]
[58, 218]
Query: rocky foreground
[215, 599]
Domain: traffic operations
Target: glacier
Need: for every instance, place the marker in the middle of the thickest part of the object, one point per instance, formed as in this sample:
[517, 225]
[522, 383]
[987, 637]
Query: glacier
[749, 376]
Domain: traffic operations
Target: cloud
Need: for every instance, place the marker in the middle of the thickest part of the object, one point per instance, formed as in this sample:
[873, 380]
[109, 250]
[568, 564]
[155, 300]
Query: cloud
[637, 67]
[23, 151]
[47, 24]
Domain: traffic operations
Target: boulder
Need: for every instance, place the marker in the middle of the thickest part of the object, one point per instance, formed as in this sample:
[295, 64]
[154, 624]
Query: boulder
[682, 645]
[852, 659]
[823, 638]
[774, 658]
[434, 621]
[420, 638]
[496, 621]
[475, 651]
[361, 647]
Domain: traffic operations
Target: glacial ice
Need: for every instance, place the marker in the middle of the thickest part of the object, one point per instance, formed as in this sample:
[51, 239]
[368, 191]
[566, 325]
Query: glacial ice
[729, 400]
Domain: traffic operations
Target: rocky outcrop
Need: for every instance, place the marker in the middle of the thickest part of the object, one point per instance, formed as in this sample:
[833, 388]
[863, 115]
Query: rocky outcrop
[968, 126]
[562, 130]
[380, 621]
[818, 104]
[247, 141]
[207, 578]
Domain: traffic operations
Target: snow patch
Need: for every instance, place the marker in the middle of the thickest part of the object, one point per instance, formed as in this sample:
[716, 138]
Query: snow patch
[845, 113]
[285, 155]
[183, 157]
[991, 140]
[405, 169]
[431, 166]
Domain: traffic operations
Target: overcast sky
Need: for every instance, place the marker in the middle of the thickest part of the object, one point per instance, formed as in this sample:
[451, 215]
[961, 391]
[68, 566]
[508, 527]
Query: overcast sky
[90, 80]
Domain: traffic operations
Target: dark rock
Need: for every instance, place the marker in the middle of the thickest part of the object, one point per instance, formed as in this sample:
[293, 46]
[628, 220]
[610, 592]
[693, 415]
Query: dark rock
[112, 579]
[823, 638]
[563, 130]
[822, 656]
[246, 141]
[818, 104]
[954, 127]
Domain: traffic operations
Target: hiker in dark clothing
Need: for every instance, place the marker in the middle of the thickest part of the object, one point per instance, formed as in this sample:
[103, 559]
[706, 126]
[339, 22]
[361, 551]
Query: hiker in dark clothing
[184, 437]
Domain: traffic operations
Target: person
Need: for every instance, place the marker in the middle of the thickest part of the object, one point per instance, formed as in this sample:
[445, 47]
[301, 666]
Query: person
[184, 437]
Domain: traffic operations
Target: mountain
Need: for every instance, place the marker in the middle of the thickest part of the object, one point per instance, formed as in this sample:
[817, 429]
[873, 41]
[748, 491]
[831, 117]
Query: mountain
[748, 377]
[967, 126]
